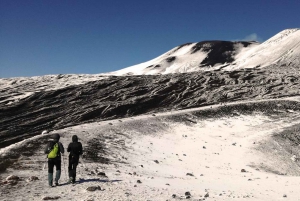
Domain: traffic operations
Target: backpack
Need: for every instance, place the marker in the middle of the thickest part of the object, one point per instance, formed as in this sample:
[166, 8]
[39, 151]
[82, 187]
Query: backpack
[54, 152]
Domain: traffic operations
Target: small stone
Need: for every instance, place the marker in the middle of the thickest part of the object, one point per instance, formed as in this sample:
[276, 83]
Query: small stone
[189, 174]
[153, 115]
[101, 174]
[156, 161]
[187, 193]
[12, 182]
[174, 196]
[284, 195]
[243, 170]
[168, 184]
[201, 175]
[139, 181]
[93, 188]
[206, 195]
[32, 178]
[204, 147]
[12, 177]
[51, 198]
[234, 143]
[110, 123]
[142, 166]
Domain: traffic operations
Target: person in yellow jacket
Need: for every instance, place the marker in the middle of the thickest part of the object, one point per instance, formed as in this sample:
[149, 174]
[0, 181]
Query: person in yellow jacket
[54, 149]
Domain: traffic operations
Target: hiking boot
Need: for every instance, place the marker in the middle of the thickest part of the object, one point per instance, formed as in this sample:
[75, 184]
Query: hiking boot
[71, 180]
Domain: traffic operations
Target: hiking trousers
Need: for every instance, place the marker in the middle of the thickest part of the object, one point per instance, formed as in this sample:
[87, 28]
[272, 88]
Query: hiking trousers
[73, 162]
[54, 162]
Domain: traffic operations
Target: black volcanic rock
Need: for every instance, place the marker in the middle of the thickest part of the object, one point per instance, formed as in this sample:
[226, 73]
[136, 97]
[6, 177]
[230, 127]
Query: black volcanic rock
[118, 97]
[218, 51]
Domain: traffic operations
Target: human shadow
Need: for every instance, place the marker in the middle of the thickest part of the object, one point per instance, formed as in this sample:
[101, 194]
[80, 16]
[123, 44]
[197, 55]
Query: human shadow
[97, 180]
[90, 180]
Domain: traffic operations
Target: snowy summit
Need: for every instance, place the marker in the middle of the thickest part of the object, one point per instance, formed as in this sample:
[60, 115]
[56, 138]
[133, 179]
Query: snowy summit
[281, 49]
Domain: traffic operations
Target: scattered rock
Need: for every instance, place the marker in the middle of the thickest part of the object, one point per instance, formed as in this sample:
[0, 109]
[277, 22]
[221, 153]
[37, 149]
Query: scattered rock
[167, 184]
[187, 193]
[234, 143]
[201, 175]
[206, 195]
[284, 195]
[174, 196]
[110, 123]
[156, 161]
[32, 178]
[12, 177]
[142, 166]
[12, 182]
[139, 181]
[51, 198]
[93, 188]
[153, 115]
[204, 147]
[101, 174]
[189, 174]
[118, 171]
[135, 186]
[243, 170]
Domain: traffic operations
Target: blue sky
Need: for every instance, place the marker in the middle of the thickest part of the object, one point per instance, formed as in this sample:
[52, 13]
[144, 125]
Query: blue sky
[41, 37]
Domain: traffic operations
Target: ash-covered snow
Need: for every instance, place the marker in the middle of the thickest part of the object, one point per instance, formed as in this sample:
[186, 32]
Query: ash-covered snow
[239, 160]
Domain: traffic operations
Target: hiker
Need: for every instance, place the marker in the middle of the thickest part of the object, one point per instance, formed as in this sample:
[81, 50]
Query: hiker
[75, 149]
[54, 150]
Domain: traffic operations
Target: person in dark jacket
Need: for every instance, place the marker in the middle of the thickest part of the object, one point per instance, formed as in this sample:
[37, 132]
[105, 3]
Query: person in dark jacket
[75, 149]
[54, 149]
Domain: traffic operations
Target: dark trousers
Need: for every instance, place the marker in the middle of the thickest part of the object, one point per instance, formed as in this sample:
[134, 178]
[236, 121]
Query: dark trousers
[54, 162]
[73, 162]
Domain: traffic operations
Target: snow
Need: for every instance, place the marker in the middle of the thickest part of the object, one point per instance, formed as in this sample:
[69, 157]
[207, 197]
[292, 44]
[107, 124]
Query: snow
[214, 150]
[281, 49]
[22, 87]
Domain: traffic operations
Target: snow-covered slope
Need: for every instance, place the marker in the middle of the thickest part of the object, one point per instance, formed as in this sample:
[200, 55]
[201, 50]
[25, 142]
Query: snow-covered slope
[282, 49]
[205, 55]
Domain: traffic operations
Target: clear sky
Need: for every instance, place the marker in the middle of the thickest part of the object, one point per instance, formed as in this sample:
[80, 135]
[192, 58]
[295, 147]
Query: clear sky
[41, 37]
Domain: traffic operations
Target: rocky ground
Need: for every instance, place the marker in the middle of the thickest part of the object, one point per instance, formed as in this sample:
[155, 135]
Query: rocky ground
[40, 108]
[238, 151]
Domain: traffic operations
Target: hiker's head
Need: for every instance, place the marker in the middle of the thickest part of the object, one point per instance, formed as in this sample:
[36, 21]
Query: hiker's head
[74, 138]
[56, 137]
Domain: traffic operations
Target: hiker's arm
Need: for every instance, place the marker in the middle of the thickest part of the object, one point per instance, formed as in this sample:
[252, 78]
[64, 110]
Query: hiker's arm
[69, 148]
[80, 149]
[61, 147]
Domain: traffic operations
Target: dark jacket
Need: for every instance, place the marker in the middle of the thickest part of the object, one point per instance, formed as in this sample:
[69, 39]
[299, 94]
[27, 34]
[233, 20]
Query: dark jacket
[50, 145]
[75, 148]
